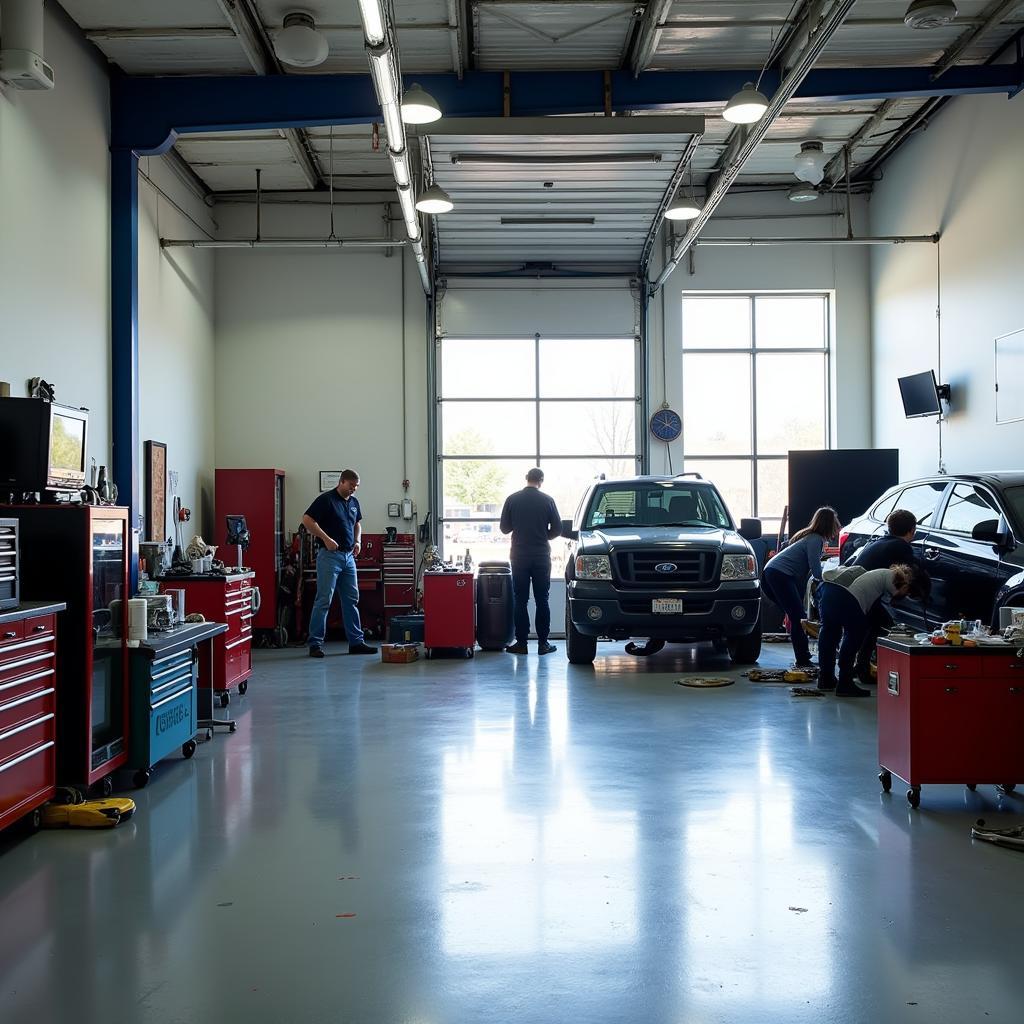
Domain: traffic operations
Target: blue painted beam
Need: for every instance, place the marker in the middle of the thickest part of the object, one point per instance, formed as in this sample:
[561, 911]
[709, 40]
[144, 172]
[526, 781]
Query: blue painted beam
[148, 112]
[124, 339]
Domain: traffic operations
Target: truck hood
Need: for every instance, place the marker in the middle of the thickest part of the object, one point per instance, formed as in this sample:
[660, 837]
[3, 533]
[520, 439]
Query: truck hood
[629, 538]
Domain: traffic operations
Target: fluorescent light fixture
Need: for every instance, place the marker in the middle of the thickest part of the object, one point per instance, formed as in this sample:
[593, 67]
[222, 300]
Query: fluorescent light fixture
[412, 221]
[683, 208]
[400, 167]
[930, 13]
[382, 71]
[394, 126]
[299, 43]
[803, 194]
[373, 21]
[516, 221]
[809, 163]
[747, 106]
[418, 106]
[435, 200]
[540, 158]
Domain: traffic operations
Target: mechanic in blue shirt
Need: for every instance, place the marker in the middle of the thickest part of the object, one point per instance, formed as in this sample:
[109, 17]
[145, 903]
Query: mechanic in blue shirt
[785, 576]
[335, 519]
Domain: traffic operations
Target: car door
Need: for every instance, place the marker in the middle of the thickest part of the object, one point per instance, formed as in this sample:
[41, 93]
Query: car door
[924, 500]
[966, 570]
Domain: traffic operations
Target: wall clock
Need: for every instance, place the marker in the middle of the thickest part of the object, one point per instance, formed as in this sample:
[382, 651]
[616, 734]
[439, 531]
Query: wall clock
[666, 425]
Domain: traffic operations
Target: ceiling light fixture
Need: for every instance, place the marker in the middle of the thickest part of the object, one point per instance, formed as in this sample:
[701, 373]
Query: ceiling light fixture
[435, 200]
[373, 21]
[519, 221]
[418, 106]
[926, 14]
[299, 44]
[809, 163]
[683, 208]
[747, 106]
[803, 194]
[560, 158]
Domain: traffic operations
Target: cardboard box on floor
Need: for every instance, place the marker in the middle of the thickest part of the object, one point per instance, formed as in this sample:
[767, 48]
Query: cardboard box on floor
[399, 653]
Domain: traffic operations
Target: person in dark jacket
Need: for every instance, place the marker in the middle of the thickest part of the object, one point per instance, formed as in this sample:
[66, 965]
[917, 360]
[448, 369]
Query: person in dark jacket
[892, 549]
[532, 519]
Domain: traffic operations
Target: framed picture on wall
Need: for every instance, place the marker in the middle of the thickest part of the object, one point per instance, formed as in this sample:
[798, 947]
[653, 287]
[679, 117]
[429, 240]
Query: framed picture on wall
[329, 479]
[156, 489]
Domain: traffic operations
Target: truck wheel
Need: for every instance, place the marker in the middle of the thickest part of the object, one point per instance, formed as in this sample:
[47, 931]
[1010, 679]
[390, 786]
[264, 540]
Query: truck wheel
[580, 649]
[745, 650]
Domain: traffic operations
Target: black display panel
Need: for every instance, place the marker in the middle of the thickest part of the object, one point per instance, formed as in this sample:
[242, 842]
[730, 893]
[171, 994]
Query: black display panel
[920, 395]
[848, 479]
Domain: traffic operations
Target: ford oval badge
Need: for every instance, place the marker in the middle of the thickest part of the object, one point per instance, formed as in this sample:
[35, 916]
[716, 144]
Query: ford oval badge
[666, 567]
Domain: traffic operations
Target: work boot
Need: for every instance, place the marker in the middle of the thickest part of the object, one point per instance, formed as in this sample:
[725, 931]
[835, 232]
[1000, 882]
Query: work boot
[361, 649]
[316, 652]
[545, 648]
[519, 647]
[850, 689]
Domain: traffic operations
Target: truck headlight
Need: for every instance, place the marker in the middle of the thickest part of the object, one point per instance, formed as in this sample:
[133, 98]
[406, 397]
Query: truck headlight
[739, 567]
[593, 567]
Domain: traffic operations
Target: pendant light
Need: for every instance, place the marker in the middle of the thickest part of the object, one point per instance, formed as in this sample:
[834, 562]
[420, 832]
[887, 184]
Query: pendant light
[418, 106]
[803, 194]
[747, 106]
[685, 205]
[809, 163]
[435, 200]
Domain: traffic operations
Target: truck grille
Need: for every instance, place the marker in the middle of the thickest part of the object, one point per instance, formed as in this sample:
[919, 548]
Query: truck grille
[691, 567]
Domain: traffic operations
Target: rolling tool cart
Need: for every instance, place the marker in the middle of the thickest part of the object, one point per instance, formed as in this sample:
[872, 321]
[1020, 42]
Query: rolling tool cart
[951, 715]
[449, 609]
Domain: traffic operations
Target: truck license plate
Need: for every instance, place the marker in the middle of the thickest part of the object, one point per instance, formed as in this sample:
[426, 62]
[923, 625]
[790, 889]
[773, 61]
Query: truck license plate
[667, 606]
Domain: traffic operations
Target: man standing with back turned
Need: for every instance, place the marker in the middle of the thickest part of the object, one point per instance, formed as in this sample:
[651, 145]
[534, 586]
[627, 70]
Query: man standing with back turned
[335, 519]
[532, 519]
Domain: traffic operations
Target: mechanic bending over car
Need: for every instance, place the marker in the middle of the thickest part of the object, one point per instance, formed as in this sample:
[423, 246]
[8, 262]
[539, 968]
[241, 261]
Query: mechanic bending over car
[880, 553]
[845, 600]
[785, 576]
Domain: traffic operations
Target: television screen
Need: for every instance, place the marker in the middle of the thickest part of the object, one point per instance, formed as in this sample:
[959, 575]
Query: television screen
[67, 445]
[920, 395]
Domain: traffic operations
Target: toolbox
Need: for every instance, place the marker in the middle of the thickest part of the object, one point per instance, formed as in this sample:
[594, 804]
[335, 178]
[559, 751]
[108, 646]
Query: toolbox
[399, 654]
[449, 605]
[405, 629]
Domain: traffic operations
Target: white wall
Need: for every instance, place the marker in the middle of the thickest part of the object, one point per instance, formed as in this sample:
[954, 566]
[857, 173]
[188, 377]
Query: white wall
[55, 231]
[961, 177]
[841, 270]
[309, 360]
[176, 351]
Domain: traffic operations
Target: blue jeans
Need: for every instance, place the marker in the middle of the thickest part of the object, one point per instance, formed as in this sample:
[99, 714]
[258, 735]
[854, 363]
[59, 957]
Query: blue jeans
[780, 588]
[330, 565]
[841, 617]
[536, 570]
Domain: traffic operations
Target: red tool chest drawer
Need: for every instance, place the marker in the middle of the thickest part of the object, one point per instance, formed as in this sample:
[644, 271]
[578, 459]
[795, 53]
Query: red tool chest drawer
[11, 631]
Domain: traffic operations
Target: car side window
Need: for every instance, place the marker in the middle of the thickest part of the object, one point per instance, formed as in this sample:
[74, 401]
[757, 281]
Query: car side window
[885, 506]
[921, 499]
[967, 506]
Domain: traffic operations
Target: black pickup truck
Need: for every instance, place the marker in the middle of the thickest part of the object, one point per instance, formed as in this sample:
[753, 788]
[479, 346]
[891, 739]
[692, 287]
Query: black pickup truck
[659, 559]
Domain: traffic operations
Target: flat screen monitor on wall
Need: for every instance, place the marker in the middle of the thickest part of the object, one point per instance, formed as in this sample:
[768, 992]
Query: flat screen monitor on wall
[920, 395]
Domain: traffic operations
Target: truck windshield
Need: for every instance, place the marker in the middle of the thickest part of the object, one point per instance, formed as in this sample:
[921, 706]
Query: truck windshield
[643, 504]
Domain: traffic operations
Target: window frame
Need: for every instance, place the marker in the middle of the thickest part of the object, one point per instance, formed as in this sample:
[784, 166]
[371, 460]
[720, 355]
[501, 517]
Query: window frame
[753, 351]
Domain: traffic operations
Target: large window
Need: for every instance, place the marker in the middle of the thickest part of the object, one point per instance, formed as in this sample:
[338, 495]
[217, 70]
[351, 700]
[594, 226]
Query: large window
[567, 405]
[755, 387]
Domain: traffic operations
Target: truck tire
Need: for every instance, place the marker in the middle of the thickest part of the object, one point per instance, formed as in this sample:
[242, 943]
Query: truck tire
[745, 650]
[580, 649]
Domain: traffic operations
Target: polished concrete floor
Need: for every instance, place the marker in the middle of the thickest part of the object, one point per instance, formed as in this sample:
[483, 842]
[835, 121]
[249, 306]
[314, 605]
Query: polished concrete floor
[515, 839]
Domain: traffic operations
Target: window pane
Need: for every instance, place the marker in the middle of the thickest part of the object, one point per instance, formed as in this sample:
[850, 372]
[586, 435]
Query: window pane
[489, 428]
[790, 321]
[883, 508]
[716, 404]
[477, 488]
[732, 478]
[581, 368]
[587, 428]
[790, 403]
[966, 508]
[716, 321]
[921, 500]
[478, 368]
[567, 480]
[484, 541]
[772, 488]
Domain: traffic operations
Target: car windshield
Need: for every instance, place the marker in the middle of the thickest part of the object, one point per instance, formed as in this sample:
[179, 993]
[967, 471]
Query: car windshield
[647, 504]
[1015, 500]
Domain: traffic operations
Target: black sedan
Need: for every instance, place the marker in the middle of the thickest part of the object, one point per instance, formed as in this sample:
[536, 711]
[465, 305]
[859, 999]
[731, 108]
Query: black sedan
[970, 539]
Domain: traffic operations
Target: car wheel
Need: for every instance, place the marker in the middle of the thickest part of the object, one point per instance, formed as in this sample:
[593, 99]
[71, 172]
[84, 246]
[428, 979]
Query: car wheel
[580, 649]
[745, 650]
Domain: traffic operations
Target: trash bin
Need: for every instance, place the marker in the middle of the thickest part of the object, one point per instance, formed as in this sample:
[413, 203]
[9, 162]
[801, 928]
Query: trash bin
[495, 625]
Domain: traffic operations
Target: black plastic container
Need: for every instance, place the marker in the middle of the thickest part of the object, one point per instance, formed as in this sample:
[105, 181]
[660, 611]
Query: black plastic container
[405, 629]
[495, 625]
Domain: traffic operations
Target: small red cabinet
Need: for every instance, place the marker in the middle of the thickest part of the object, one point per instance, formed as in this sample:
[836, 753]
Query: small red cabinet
[225, 599]
[949, 715]
[28, 709]
[449, 611]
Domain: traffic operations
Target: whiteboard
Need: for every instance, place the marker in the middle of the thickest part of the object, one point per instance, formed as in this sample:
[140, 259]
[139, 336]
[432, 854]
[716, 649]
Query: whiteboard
[1010, 377]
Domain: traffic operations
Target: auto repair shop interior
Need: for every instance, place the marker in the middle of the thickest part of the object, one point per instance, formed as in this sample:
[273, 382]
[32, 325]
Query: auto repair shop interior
[709, 266]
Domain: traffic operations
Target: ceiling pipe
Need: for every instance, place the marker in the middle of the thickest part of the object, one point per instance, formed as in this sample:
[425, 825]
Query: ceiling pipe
[868, 240]
[282, 243]
[752, 136]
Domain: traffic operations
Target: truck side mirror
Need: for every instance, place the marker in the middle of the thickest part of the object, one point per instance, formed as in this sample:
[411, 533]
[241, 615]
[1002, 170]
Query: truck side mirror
[750, 529]
[568, 532]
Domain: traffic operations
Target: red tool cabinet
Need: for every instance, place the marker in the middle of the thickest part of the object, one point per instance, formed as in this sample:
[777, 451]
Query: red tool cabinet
[222, 599]
[449, 611]
[949, 715]
[28, 709]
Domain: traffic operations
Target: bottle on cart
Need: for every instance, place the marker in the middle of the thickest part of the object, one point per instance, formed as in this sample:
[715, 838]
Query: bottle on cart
[467, 562]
